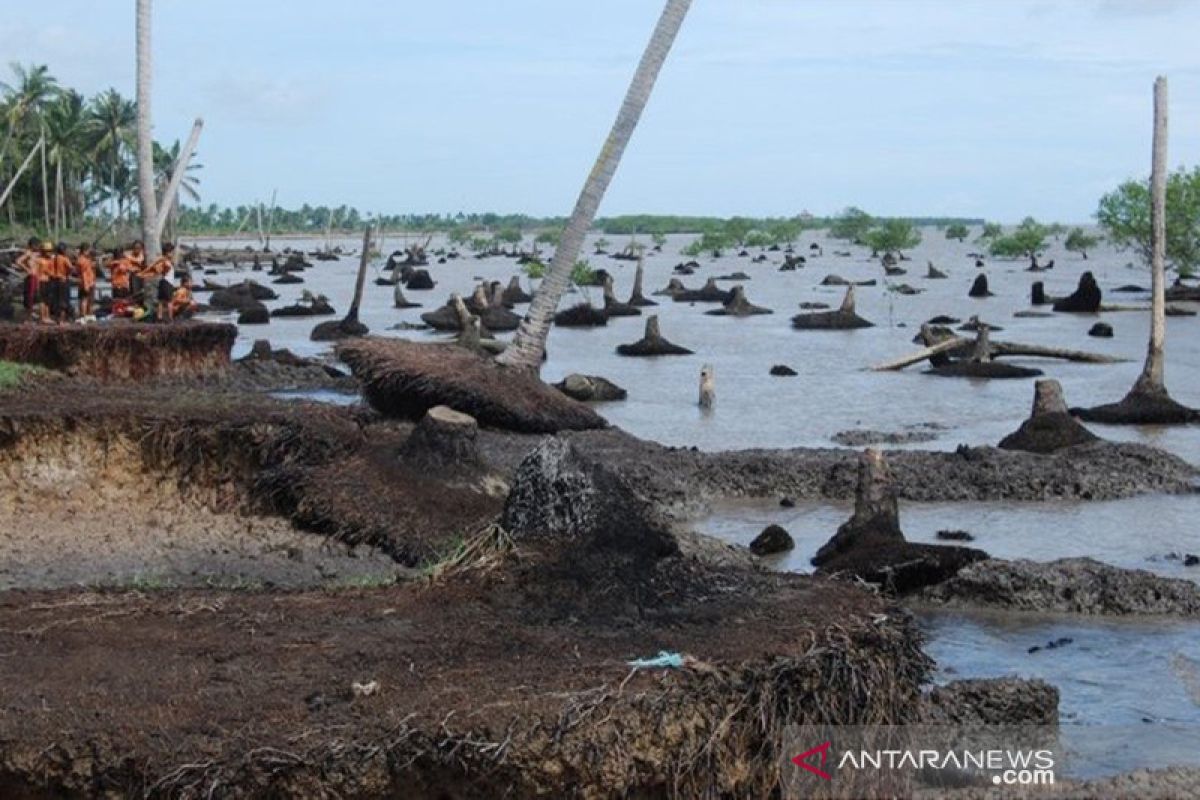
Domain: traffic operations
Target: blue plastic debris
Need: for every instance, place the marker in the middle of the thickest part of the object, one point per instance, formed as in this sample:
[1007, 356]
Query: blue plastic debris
[664, 660]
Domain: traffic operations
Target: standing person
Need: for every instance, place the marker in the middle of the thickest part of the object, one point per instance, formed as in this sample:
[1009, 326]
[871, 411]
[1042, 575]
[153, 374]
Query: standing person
[61, 300]
[85, 269]
[136, 256]
[45, 280]
[155, 283]
[27, 262]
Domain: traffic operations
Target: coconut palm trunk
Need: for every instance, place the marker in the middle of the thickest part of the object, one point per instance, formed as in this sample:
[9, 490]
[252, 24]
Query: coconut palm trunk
[529, 345]
[1151, 380]
[178, 173]
[145, 140]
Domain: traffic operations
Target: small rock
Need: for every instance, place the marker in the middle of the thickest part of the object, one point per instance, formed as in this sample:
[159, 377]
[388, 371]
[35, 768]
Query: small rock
[1191, 560]
[787, 502]
[783, 371]
[955, 536]
[364, 689]
[1101, 330]
[773, 539]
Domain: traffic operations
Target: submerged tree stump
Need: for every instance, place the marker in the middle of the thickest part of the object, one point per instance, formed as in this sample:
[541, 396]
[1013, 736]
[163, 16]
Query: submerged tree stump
[738, 306]
[871, 547]
[708, 293]
[1084, 300]
[1050, 426]
[514, 294]
[583, 315]
[980, 287]
[844, 318]
[652, 343]
[614, 307]
[934, 273]
[636, 298]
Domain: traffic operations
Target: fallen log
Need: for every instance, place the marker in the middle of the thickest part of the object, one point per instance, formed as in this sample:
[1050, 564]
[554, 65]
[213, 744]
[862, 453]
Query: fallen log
[961, 346]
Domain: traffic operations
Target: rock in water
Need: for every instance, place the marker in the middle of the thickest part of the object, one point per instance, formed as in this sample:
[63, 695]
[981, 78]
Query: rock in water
[584, 315]
[773, 539]
[1085, 299]
[1101, 330]
[420, 280]
[590, 388]
[783, 371]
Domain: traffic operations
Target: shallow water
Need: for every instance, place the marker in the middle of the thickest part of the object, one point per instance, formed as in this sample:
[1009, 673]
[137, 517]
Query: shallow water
[319, 396]
[834, 391]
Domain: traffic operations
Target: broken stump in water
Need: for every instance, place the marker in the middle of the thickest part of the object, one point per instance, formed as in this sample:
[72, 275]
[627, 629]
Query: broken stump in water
[514, 294]
[738, 306]
[1038, 296]
[443, 439]
[980, 363]
[636, 298]
[652, 343]
[399, 300]
[980, 287]
[614, 307]
[1085, 299]
[844, 318]
[870, 546]
[1142, 406]
[583, 315]
[708, 293]
[933, 273]
[1050, 426]
[673, 288]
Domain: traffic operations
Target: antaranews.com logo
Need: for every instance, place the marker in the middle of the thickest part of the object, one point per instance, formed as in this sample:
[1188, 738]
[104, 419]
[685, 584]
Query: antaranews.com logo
[864, 762]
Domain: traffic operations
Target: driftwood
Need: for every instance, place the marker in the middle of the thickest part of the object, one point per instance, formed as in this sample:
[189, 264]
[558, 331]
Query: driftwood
[963, 347]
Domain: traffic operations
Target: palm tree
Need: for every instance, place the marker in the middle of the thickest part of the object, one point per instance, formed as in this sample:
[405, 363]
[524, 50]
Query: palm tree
[110, 125]
[65, 145]
[145, 141]
[26, 98]
[529, 345]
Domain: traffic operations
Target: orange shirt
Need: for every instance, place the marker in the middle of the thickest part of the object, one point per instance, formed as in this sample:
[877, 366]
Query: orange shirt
[182, 297]
[159, 269]
[45, 268]
[119, 273]
[62, 267]
[86, 266]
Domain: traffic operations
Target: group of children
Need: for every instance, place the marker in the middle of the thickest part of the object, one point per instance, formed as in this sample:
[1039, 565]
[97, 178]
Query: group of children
[139, 290]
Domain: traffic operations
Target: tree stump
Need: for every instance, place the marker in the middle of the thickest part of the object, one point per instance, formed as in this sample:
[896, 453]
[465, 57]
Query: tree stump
[1084, 300]
[876, 515]
[1050, 426]
[845, 318]
[443, 439]
[738, 306]
[652, 343]
[614, 307]
[636, 298]
[980, 287]
[934, 273]
[514, 294]
[398, 298]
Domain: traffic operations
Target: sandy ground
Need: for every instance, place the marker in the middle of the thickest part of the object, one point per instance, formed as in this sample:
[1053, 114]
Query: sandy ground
[91, 517]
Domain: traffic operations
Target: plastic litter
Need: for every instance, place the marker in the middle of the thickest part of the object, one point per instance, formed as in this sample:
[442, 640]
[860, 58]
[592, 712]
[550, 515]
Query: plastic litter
[664, 660]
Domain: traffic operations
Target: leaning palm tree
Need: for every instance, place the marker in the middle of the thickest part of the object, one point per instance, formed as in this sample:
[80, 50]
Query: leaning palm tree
[145, 141]
[166, 162]
[1148, 402]
[529, 345]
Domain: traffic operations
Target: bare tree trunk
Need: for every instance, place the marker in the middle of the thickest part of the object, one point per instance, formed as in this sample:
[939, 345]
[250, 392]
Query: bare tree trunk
[178, 172]
[352, 316]
[1151, 379]
[40, 145]
[529, 344]
[145, 132]
[45, 188]
[271, 220]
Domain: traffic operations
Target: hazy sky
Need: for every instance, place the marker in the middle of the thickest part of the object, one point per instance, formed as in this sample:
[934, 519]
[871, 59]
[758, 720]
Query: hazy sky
[994, 108]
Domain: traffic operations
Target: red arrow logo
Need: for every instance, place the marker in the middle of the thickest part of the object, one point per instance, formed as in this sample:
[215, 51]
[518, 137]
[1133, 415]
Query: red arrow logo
[822, 750]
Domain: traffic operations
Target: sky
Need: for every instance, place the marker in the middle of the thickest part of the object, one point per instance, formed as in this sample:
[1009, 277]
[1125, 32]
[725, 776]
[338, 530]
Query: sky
[985, 108]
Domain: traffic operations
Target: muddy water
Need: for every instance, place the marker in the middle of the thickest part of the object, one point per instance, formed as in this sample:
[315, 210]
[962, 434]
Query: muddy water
[1107, 674]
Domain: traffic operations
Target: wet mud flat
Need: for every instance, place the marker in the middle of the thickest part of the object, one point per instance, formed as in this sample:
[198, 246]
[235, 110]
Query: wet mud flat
[502, 665]
[502, 668]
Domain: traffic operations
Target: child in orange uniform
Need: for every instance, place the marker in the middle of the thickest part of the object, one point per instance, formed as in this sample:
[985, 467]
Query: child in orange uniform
[182, 303]
[155, 283]
[85, 271]
[45, 277]
[60, 298]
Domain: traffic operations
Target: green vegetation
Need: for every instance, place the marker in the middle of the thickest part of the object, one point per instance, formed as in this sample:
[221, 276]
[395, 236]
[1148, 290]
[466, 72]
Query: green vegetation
[1080, 242]
[851, 225]
[582, 274]
[714, 242]
[957, 231]
[535, 270]
[11, 374]
[1124, 216]
[1026, 240]
[991, 232]
[892, 236]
